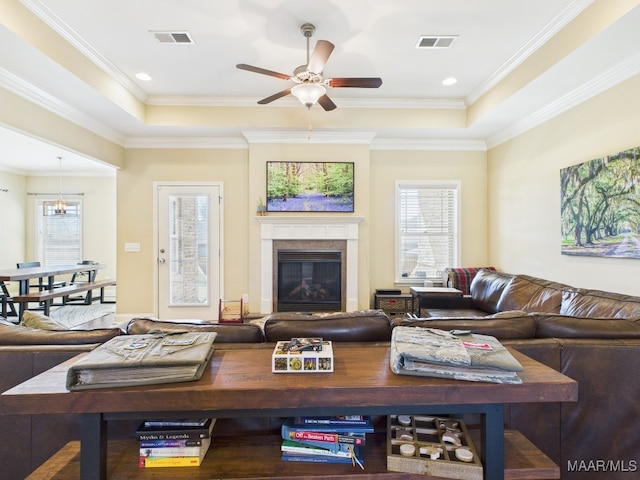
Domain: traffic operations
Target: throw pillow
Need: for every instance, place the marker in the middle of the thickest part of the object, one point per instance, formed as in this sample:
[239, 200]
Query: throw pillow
[37, 320]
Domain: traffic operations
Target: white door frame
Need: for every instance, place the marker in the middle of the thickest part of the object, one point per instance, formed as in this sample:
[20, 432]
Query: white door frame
[156, 246]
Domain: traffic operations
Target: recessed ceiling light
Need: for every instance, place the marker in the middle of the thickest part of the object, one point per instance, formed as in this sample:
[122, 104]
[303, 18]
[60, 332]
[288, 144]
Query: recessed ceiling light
[145, 77]
[449, 81]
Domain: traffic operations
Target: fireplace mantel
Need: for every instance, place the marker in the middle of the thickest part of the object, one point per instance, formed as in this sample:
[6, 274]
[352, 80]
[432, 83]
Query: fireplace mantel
[307, 228]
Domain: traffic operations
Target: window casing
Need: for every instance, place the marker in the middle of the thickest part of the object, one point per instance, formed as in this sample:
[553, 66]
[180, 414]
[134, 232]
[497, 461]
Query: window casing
[59, 239]
[427, 225]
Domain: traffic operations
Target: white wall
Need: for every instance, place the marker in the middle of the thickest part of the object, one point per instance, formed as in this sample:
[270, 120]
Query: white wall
[13, 204]
[524, 190]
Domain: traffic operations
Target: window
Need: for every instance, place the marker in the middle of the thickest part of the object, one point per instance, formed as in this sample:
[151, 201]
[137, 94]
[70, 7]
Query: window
[59, 236]
[426, 229]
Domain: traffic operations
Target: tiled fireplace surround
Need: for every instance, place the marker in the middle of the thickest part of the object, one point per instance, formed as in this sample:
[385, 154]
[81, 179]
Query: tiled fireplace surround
[336, 233]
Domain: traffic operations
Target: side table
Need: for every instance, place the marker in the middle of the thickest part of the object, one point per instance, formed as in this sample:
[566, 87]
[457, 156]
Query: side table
[422, 295]
[394, 304]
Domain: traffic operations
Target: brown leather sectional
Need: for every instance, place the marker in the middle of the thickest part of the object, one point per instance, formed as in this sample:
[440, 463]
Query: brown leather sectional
[591, 336]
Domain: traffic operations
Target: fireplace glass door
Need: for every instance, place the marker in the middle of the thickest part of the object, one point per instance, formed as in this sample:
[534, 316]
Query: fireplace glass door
[309, 280]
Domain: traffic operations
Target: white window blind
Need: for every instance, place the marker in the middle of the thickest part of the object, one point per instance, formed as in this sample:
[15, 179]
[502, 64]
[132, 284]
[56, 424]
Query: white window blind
[59, 236]
[426, 229]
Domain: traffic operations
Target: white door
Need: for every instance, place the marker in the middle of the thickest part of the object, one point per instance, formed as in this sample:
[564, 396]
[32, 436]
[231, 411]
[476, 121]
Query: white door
[188, 246]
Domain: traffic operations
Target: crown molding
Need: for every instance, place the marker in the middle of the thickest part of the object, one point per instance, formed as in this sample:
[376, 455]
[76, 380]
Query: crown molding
[434, 144]
[186, 142]
[45, 14]
[291, 102]
[596, 86]
[566, 16]
[304, 136]
[39, 97]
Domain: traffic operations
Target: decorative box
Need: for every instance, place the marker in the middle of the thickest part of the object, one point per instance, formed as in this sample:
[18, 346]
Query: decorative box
[302, 355]
[437, 446]
[393, 304]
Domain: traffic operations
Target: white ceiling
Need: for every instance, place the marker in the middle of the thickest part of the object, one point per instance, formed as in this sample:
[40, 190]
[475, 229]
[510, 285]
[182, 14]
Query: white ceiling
[372, 38]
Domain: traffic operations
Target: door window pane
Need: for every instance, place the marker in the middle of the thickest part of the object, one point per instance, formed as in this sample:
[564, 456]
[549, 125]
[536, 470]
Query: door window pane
[189, 226]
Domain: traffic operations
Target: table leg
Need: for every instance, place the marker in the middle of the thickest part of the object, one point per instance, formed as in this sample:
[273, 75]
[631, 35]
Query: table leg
[493, 442]
[415, 304]
[93, 447]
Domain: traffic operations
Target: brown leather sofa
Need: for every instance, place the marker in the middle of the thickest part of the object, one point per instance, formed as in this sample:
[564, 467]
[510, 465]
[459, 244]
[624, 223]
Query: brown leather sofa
[589, 335]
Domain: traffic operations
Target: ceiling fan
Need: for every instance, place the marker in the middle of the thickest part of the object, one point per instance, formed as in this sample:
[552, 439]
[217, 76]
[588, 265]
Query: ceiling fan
[310, 86]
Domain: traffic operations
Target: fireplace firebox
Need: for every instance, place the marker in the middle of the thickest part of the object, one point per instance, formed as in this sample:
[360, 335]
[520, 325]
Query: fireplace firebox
[309, 280]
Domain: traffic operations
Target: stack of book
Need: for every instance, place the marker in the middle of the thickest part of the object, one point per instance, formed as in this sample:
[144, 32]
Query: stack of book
[174, 443]
[325, 439]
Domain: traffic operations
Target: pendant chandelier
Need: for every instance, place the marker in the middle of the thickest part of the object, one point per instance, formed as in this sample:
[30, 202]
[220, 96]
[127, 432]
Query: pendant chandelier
[60, 206]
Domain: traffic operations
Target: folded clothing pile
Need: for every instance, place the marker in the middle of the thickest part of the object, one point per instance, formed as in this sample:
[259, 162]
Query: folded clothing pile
[460, 355]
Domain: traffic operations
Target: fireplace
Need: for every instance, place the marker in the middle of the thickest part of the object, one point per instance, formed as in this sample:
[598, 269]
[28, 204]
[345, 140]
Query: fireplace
[317, 233]
[308, 281]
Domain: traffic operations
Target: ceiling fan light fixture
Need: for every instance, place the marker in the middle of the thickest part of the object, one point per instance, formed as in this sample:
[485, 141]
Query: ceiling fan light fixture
[308, 93]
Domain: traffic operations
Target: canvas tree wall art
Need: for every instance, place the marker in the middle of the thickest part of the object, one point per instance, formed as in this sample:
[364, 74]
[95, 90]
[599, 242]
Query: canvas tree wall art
[601, 206]
[310, 186]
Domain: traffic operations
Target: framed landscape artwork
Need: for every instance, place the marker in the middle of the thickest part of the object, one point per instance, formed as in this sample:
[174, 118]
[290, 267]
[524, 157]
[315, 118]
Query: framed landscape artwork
[310, 186]
[600, 206]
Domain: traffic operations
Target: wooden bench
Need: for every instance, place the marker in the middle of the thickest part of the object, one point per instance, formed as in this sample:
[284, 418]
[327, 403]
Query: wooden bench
[46, 296]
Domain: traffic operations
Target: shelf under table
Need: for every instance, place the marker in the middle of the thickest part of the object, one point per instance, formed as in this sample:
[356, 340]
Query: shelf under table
[259, 457]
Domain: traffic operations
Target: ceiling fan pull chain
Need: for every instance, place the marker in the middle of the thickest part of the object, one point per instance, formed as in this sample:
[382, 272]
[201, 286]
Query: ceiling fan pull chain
[309, 122]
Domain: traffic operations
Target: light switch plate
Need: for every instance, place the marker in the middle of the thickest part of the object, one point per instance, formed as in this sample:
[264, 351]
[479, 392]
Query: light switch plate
[132, 247]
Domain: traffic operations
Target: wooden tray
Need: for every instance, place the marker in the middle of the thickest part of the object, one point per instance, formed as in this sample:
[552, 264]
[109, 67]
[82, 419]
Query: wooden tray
[427, 432]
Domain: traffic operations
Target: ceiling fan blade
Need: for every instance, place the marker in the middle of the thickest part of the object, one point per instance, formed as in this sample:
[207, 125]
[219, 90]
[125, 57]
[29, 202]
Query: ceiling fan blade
[326, 103]
[275, 96]
[251, 68]
[365, 82]
[320, 56]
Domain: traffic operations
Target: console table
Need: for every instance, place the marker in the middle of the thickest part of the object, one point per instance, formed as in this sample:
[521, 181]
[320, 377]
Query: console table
[239, 383]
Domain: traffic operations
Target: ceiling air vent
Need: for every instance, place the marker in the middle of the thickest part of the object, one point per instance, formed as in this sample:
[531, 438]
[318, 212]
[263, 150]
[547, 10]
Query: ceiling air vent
[173, 37]
[436, 41]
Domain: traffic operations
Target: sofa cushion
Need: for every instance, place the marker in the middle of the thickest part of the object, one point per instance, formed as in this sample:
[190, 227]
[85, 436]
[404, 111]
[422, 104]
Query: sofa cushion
[532, 294]
[39, 320]
[510, 325]
[461, 277]
[11, 334]
[357, 326]
[560, 326]
[598, 304]
[486, 289]
[227, 332]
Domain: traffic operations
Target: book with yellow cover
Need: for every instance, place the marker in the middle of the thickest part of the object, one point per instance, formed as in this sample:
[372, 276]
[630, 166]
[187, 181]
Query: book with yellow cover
[154, 462]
